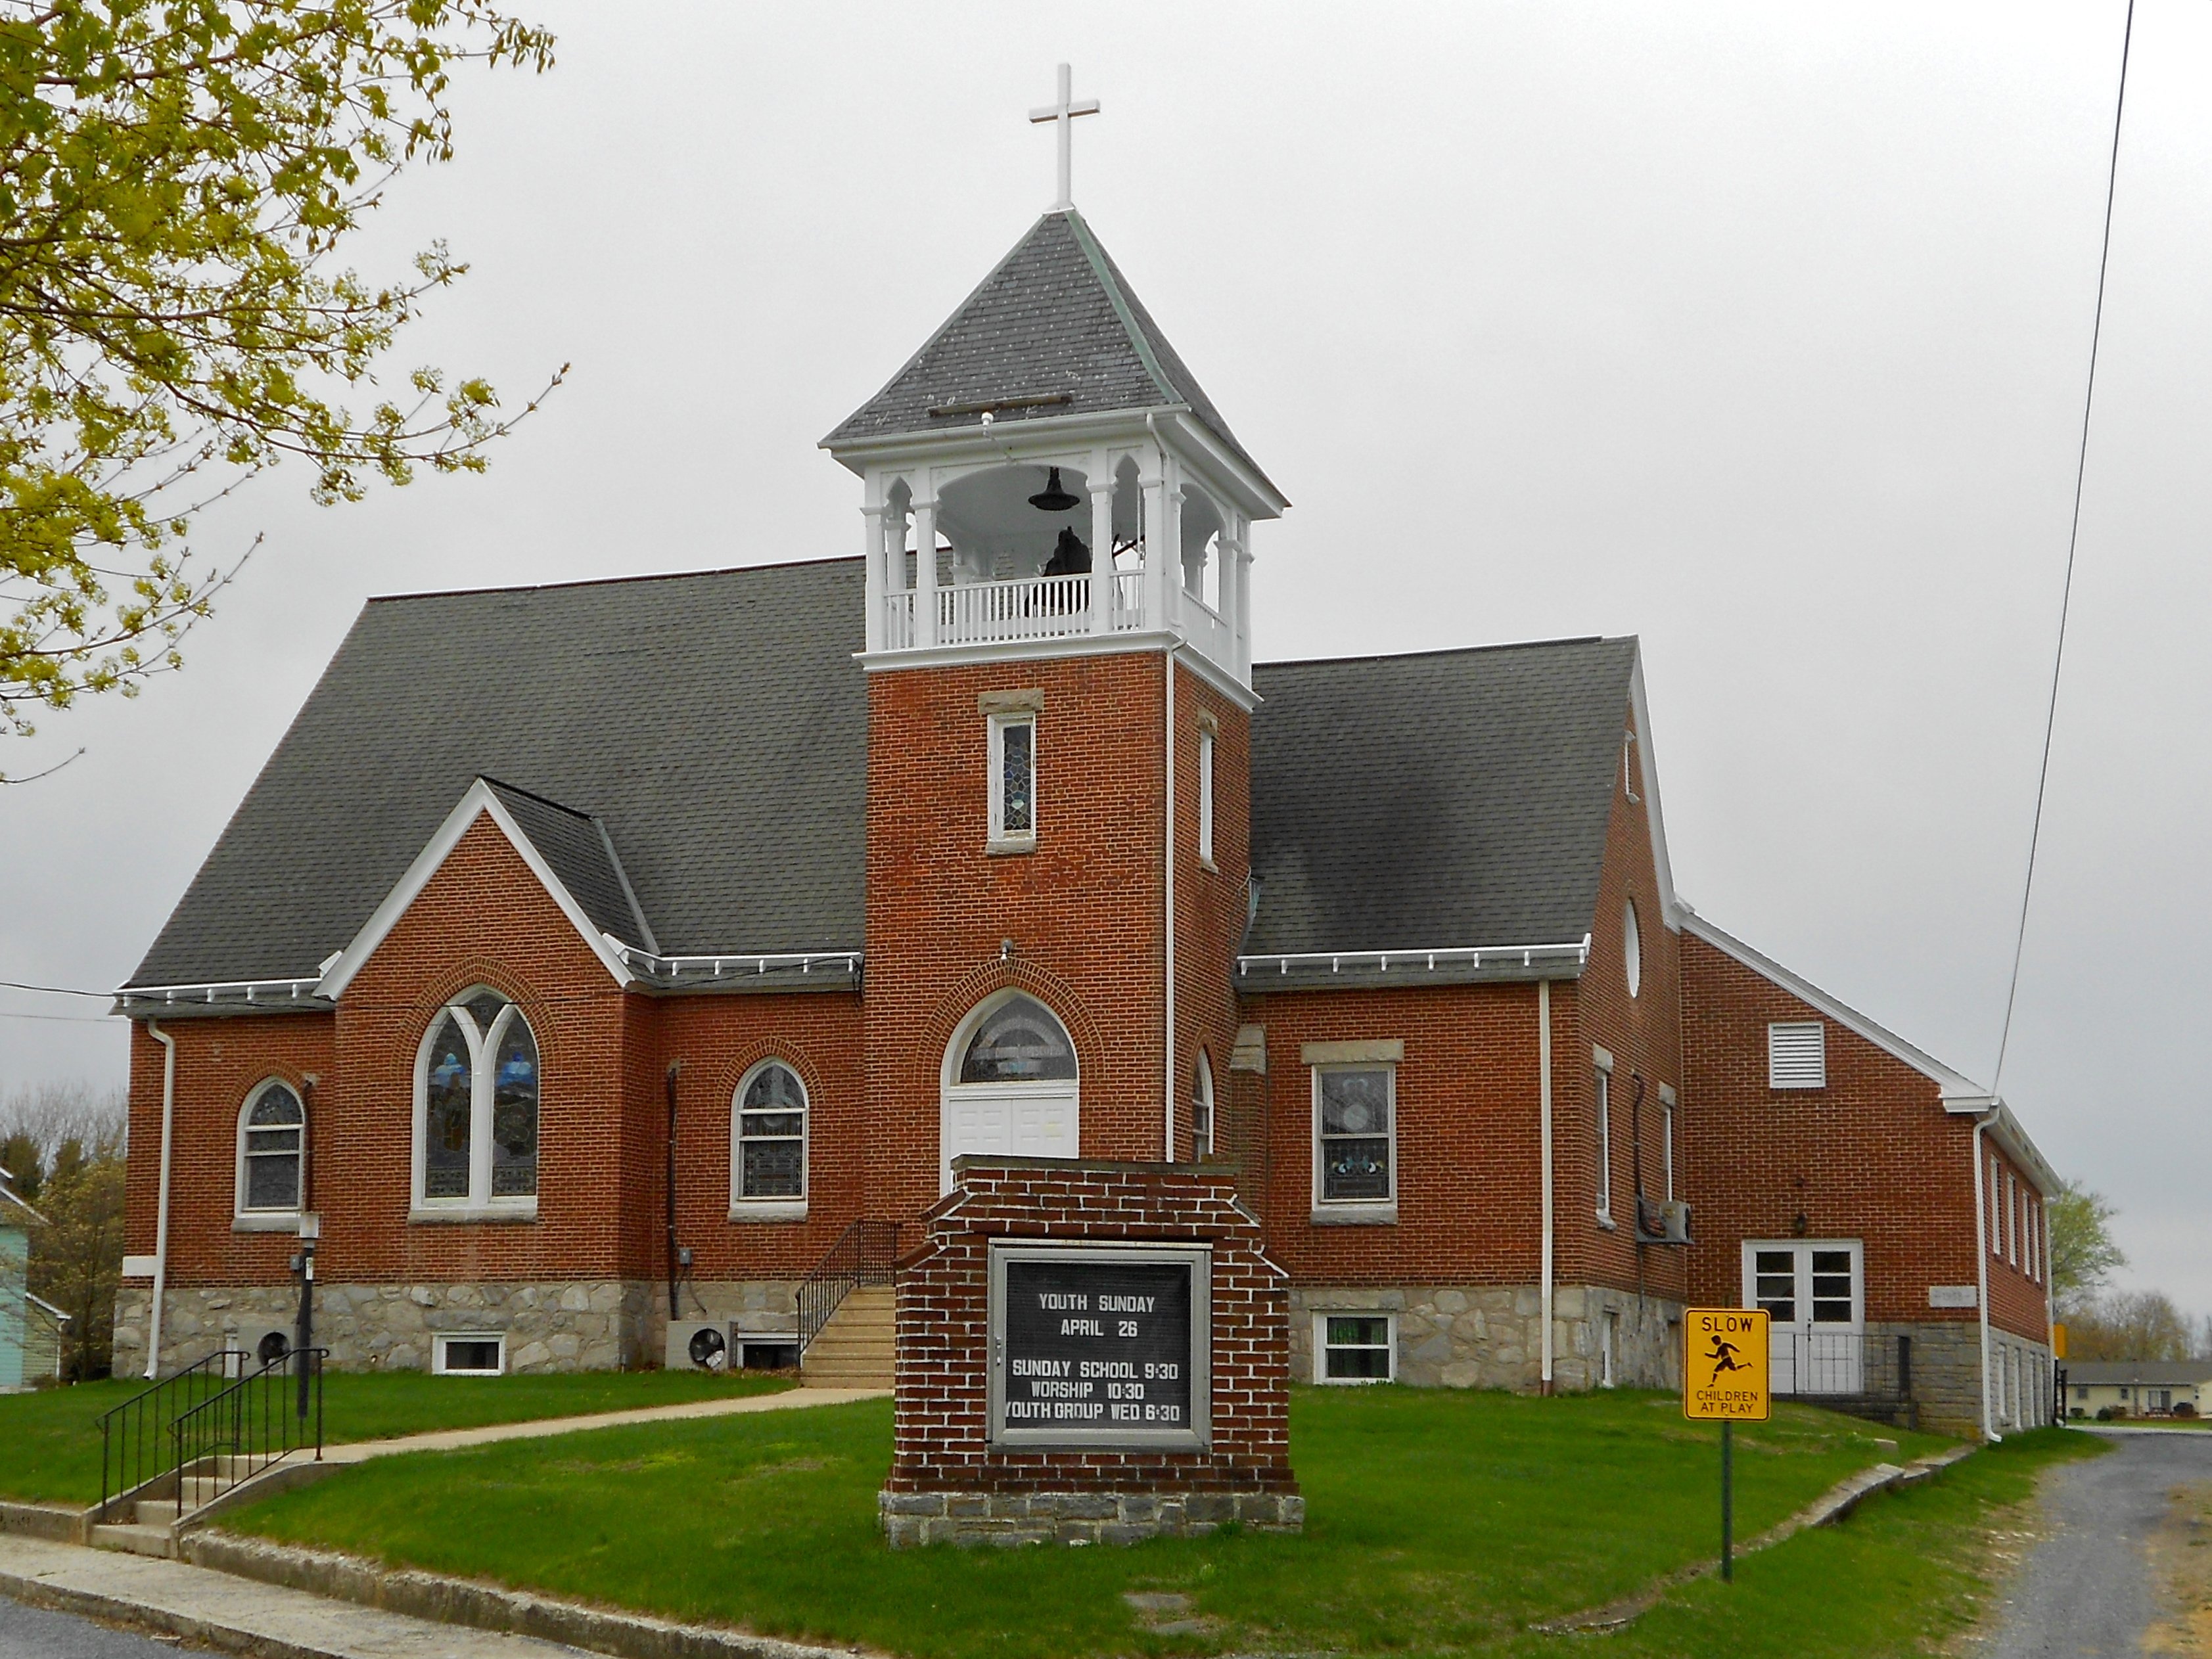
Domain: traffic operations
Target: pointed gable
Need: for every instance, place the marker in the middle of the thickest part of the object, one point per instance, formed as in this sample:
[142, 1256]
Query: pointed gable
[1053, 330]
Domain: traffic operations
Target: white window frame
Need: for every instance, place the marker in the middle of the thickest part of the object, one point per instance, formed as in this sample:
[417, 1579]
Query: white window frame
[1778, 1077]
[439, 1338]
[2012, 1220]
[1204, 797]
[245, 1217]
[1001, 839]
[1321, 1345]
[770, 1209]
[478, 1203]
[1602, 1100]
[1632, 949]
[1996, 1206]
[1667, 1104]
[1379, 1209]
[1201, 1094]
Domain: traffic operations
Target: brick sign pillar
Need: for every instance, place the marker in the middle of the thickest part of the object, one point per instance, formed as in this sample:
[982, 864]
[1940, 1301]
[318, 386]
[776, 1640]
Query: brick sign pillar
[1090, 1353]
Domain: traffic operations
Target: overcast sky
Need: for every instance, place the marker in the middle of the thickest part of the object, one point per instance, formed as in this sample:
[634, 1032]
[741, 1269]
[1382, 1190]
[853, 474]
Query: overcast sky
[1757, 330]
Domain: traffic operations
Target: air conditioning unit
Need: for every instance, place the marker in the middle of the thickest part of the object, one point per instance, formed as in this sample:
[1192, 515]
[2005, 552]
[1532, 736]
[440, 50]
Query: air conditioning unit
[701, 1345]
[1663, 1221]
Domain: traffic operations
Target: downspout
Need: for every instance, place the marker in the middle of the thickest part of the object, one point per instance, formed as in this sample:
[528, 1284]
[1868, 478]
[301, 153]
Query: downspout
[674, 1067]
[1544, 1118]
[1981, 1267]
[161, 1200]
[1168, 1117]
[1163, 552]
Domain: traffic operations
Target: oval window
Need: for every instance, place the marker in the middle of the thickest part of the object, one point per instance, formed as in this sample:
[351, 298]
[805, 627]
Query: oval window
[1632, 949]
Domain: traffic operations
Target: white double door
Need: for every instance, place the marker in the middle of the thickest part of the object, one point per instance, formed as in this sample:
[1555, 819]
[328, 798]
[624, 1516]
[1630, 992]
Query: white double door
[1008, 1120]
[1814, 1291]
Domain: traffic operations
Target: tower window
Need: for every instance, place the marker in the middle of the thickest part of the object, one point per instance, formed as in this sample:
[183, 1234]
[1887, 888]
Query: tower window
[1013, 780]
[1204, 797]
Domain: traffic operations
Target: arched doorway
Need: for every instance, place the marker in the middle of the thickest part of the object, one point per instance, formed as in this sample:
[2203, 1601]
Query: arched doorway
[1009, 1085]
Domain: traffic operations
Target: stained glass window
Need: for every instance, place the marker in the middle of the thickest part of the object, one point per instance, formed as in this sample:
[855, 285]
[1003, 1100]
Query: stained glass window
[479, 1098]
[514, 1114]
[771, 1135]
[448, 1112]
[1355, 1133]
[1013, 802]
[1019, 1041]
[1201, 1109]
[274, 1125]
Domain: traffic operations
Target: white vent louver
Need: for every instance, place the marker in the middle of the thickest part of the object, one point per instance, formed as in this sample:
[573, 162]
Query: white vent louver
[1798, 1056]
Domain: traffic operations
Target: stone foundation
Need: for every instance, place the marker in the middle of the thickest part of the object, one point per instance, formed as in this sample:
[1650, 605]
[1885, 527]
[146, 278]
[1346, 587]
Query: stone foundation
[1079, 1517]
[562, 1325]
[1490, 1336]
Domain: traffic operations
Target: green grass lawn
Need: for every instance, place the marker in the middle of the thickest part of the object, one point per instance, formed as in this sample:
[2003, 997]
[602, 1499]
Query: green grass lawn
[50, 1443]
[1906, 1574]
[1437, 1522]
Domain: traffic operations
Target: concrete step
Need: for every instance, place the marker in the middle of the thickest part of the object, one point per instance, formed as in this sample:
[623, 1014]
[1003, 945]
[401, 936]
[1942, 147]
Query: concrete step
[157, 1512]
[138, 1540]
[855, 1348]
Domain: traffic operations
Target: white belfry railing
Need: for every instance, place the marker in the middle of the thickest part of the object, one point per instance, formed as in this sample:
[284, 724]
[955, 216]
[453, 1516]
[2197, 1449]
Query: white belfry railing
[1030, 608]
[1206, 630]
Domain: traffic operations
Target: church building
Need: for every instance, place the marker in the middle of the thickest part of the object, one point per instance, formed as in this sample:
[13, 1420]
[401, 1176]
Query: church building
[615, 969]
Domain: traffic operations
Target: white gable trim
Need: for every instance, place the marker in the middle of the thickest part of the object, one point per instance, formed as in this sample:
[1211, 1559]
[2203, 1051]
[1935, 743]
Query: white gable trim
[1670, 907]
[480, 798]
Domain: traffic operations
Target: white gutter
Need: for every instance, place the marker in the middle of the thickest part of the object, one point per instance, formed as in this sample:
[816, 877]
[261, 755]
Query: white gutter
[1422, 959]
[1981, 1267]
[1544, 1117]
[162, 1202]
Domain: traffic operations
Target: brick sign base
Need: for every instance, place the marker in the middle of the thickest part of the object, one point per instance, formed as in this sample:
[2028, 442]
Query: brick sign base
[1155, 1449]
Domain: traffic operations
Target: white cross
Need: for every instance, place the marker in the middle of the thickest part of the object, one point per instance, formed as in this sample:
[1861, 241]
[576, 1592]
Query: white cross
[1064, 112]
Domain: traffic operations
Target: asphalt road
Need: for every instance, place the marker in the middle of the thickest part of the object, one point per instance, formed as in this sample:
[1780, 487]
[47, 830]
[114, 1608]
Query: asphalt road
[2087, 1587]
[36, 1633]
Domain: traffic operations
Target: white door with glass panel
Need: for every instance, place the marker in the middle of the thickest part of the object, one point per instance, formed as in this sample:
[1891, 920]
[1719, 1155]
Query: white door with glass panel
[1010, 1085]
[1814, 1292]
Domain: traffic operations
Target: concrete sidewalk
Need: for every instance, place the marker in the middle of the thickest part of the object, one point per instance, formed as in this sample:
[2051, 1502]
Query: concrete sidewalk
[360, 1451]
[236, 1614]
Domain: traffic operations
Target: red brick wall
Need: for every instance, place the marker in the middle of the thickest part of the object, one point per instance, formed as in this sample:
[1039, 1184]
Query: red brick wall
[1873, 1156]
[1210, 907]
[941, 1443]
[1085, 911]
[1643, 1033]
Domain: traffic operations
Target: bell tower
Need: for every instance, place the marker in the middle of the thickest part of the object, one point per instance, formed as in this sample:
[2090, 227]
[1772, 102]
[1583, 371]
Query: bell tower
[1058, 646]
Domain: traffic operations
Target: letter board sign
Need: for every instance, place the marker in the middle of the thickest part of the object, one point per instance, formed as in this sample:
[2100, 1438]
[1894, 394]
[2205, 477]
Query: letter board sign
[1101, 1345]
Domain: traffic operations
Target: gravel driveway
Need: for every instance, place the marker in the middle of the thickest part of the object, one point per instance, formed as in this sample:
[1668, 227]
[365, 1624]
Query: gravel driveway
[2087, 1587]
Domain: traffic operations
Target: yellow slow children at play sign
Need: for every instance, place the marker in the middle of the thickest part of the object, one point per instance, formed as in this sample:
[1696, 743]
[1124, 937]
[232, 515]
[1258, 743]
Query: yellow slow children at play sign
[1724, 1376]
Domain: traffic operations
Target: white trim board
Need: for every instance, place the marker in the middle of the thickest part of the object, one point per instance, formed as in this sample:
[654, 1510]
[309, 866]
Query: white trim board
[1671, 908]
[1961, 1094]
[479, 799]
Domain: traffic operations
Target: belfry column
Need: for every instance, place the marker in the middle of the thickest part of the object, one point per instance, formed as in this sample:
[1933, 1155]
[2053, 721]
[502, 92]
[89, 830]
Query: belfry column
[1102, 543]
[925, 561]
[877, 585]
[1163, 558]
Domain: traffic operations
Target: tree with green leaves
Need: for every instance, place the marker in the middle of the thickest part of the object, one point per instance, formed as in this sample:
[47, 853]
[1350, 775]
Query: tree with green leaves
[2083, 1256]
[176, 177]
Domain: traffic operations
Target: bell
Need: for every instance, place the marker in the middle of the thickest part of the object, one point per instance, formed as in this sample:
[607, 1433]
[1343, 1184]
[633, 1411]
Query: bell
[1054, 497]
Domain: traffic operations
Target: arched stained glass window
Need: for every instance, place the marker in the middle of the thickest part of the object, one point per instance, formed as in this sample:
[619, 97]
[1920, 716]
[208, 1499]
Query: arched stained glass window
[771, 1135]
[270, 1129]
[1201, 1108]
[1019, 1041]
[477, 1105]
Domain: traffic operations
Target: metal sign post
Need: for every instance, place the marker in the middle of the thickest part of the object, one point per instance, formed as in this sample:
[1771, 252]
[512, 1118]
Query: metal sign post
[1725, 1379]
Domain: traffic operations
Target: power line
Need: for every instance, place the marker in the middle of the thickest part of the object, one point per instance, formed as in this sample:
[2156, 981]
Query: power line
[55, 990]
[2073, 542]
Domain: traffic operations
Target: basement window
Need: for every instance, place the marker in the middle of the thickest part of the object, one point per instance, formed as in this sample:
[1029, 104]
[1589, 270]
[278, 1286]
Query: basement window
[777, 1356]
[468, 1353]
[1797, 1055]
[1355, 1347]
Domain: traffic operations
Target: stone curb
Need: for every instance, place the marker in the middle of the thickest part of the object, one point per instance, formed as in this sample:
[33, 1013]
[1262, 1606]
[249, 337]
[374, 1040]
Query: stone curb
[90, 1604]
[481, 1606]
[1830, 1507]
[55, 1525]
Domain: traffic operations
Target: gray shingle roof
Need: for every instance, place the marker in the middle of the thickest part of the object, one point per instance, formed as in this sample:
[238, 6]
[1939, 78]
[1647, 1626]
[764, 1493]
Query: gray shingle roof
[716, 726]
[1452, 798]
[1054, 317]
[581, 854]
[716, 723]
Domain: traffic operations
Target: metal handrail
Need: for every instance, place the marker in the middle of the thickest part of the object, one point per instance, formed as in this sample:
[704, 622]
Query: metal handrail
[260, 1419]
[135, 1437]
[866, 1253]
